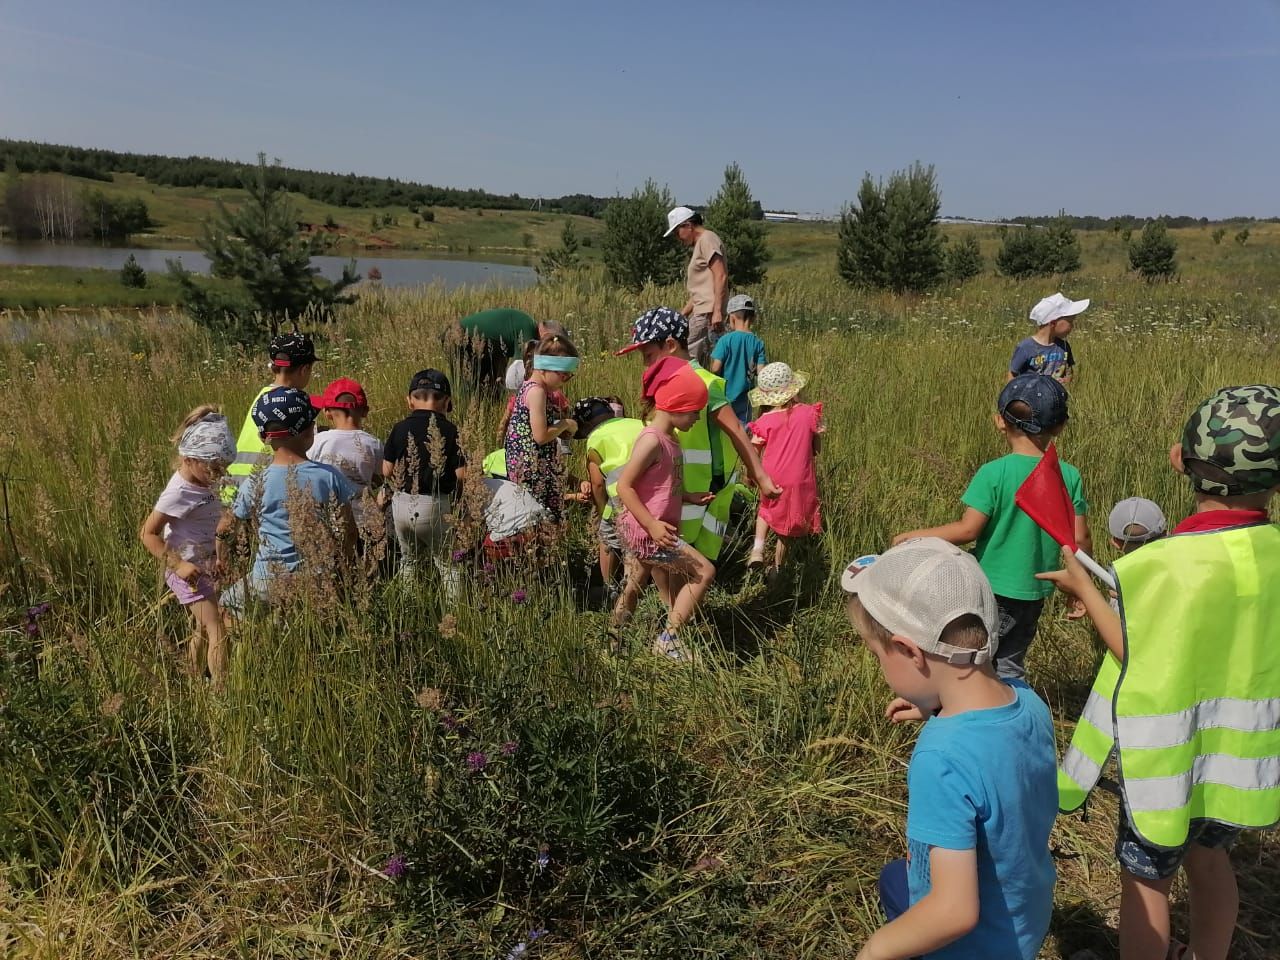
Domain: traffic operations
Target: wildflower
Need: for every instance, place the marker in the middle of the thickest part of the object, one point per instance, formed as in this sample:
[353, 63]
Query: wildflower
[429, 698]
[395, 866]
[111, 706]
[450, 722]
[459, 556]
[519, 597]
[448, 626]
[476, 761]
[543, 858]
[521, 948]
[509, 748]
[33, 628]
[39, 610]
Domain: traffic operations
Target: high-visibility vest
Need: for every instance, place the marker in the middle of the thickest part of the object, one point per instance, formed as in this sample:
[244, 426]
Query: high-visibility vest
[710, 464]
[614, 440]
[1193, 713]
[495, 464]
[252, 453]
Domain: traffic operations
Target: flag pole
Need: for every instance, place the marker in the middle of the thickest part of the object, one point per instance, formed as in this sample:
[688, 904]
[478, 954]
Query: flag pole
[1096, 568]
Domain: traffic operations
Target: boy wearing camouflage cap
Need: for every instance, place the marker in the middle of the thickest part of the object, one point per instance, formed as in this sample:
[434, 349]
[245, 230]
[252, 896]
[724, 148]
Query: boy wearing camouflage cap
[1188, 700]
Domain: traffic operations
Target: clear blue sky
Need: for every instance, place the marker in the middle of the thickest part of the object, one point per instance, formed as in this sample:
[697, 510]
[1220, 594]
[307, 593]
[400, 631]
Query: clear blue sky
[1141, 106]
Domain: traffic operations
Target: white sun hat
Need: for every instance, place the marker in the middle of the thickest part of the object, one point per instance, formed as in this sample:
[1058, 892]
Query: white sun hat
[1055, 308]
[776, 384]
[676, 217]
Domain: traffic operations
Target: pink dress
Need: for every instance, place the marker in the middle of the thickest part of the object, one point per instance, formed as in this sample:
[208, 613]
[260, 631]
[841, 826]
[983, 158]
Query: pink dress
[788, 435]
[660, 490]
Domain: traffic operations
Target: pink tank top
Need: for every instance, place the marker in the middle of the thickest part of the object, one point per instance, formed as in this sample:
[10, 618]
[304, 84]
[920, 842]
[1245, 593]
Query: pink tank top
[660, 490]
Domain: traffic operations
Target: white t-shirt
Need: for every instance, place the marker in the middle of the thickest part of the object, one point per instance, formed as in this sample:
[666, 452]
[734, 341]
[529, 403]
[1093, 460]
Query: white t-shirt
[194, 512]
[355, 453]
[515, 375]
[511, 509]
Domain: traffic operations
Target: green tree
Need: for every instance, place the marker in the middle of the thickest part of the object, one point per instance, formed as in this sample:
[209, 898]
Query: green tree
[1152, 254]
[132, 274]
[635, 250]
[890, 240]
[731, 214]
[1040, 251]
[263, 265]
[1243, 236]
[964, 259]
[564, 258]
[1217, 235]
[1062, 245]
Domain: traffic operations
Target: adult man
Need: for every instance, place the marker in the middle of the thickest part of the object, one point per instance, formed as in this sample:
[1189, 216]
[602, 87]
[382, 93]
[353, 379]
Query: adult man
[488, 340]
[707, 278]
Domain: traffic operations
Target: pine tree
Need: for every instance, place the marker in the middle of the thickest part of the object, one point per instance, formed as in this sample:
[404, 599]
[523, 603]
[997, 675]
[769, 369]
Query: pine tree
[1063, 245]
[635, 250]
[1152, 255]
[731, 215]
[891, 240]
[964, 259]
[265, 263]
[132, 274]
[1040, 251]
[564, 258]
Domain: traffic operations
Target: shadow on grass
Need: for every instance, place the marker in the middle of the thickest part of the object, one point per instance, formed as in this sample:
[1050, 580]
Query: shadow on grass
[1079, 927]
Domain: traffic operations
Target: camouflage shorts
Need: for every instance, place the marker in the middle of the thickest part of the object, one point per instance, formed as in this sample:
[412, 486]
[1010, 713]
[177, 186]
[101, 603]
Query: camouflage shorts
[1156, 863]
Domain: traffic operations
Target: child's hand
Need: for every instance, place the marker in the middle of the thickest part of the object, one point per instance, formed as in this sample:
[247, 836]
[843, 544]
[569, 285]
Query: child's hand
[568, 427]
[1077, 611]
[700, 499]
[1072, 579]
[768, 489]
[901, 710]
[663, 533]
[188, 571]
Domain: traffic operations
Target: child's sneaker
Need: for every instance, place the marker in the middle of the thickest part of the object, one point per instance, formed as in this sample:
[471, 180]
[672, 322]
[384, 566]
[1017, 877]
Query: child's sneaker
[669, 646]
[756, 560]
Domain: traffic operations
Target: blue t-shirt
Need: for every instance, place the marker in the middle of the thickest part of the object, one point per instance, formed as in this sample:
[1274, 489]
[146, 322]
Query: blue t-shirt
[986, 780]
[742, 354]
[1031, 356]
[266, 497]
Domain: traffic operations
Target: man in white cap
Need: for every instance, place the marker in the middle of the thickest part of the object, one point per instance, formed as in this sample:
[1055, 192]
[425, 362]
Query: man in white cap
[707, 279]
[1047, 351]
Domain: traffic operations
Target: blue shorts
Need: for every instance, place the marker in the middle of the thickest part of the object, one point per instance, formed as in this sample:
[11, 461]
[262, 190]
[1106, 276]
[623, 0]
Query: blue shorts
[1156, 863]
[742, 409]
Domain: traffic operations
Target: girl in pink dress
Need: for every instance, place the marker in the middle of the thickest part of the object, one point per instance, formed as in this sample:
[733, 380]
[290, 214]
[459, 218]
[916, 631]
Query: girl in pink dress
[651, 493]
[791, 436]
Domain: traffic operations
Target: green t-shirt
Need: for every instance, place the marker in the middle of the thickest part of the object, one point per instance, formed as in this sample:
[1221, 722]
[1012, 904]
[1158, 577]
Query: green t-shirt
[716, 398]
[1012, 549]
[513, 327]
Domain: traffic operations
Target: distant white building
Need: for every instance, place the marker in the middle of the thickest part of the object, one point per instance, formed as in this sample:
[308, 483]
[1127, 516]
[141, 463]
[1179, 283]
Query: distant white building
[780, 216]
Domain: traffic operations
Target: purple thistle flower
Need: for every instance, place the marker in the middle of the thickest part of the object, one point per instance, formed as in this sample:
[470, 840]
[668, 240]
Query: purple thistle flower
[476, 761]
[543, 860]
[509, 748]
[395, 866]
[39, 610]
[33, 629]
[459, 556]
[519, 597]
[449, 722]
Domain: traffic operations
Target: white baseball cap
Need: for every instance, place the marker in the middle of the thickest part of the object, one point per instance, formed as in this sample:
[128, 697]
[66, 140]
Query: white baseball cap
[676, 217]
[1055, 308]
[917, 588]
[1136, 512]
[739, 303]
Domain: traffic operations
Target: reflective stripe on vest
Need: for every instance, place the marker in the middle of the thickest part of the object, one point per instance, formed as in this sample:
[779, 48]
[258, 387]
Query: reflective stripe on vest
[1194, 707]
[708, 454]
[1092, 743]
[714, 524]
[252, 452]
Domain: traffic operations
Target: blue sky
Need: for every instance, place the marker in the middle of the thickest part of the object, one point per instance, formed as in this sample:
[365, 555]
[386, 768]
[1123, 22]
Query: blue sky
[1136, 107]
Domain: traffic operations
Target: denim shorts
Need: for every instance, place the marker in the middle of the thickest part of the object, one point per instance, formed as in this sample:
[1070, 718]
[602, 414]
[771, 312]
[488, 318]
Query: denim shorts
[609, 534]
[1156, 863]
[1018, 620]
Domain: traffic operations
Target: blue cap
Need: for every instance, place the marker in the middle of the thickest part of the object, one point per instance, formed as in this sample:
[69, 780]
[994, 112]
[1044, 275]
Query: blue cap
[655, 326]
[283, 412]
[1046, 397]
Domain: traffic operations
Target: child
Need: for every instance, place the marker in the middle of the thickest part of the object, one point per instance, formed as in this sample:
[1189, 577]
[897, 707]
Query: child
[424, 467]
[292, 358]
[978, 878]
[738, 356]
[610, 438]
[314, 545]
[181, 529]
[1047, 351]
[346, 446]
[650, 490]
[1032, 412]
[1133, 522]
[791, 435]
[1194, 664]
[534, 458]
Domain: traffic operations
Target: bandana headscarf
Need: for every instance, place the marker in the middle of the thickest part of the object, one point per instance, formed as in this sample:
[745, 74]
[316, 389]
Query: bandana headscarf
[674, 386]
[542, 361]
[209, 439]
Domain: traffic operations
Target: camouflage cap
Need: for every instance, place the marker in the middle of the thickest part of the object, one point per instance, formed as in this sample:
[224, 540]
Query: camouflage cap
[1231, 445]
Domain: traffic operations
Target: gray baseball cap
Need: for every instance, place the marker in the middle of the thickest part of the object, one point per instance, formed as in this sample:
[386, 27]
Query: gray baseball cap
[1136, 511]
[740, 303]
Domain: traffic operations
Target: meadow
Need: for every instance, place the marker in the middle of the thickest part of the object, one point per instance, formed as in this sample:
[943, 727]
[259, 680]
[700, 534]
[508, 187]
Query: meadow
[389, 774]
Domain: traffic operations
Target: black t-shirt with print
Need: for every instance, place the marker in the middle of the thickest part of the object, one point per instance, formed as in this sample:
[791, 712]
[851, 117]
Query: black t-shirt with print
[408, 449]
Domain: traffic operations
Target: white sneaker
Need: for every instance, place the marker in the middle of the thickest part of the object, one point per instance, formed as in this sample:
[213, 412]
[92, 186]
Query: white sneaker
[669, 646]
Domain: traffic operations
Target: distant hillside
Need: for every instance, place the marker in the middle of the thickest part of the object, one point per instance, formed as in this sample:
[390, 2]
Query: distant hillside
[341, 190]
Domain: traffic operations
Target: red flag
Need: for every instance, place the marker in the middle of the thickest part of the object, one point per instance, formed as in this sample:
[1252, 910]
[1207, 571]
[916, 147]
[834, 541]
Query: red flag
[1044, 498]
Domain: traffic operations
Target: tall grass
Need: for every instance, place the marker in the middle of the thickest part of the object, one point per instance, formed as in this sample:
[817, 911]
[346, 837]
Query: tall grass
[392, 774]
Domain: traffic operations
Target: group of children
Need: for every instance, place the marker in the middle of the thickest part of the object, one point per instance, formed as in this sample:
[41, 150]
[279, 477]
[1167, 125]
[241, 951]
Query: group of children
[1192, 628]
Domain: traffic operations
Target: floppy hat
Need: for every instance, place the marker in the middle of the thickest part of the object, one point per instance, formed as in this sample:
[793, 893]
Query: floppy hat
[675, 217]
[1231, 444]
[655, 326]
[431, 379]
[292, 350]
[1046, 397]
[740, 303]
[283, 412]
[917, 588]
[776, 384]
[329, 399]
[1056, 307]
[1136, 511]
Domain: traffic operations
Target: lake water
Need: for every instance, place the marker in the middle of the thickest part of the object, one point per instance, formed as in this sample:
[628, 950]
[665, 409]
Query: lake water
[397, 271]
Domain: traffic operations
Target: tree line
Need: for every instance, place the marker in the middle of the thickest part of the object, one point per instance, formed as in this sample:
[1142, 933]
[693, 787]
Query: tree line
[52, 208]
[342, 190]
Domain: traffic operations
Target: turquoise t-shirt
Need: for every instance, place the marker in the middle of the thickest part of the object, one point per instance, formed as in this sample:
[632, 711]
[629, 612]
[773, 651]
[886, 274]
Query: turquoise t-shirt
[1012, 549]
[265, 496]
[742, 354]
[986, 780]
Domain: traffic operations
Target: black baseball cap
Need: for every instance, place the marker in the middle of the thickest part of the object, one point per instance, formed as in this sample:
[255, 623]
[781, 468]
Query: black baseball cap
[1046, 397]
[431, 379]
[292, 350]
[589, 412]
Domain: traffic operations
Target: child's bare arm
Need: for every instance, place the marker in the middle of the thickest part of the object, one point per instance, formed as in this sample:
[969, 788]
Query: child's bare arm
[945, 914]
[965, 530]
[1074, 580]
[1083, 537]
[643, 455]
[716, 365]
[599, 492]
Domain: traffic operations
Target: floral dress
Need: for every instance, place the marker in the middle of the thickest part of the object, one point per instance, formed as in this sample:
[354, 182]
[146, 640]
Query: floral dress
[536, 466]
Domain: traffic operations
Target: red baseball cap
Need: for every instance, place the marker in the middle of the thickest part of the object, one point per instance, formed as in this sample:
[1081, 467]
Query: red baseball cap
[329, 399]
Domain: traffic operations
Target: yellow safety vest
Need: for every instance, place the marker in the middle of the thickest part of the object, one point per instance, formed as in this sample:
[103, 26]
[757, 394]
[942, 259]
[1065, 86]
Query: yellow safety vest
[1193, 712]
[710, 464]
[614, 440]
[252, 453]
[495, 464]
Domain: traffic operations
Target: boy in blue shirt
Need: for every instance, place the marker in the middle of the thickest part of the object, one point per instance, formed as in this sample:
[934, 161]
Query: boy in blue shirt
[978, 878]
[738, 355]
[318, 543]
[1047, 351]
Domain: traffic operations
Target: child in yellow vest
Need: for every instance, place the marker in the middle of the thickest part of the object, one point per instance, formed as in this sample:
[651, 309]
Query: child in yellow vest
[1197, 642]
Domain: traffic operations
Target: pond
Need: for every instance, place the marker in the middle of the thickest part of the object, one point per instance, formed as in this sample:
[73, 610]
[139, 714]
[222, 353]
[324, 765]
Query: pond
[397, 270]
